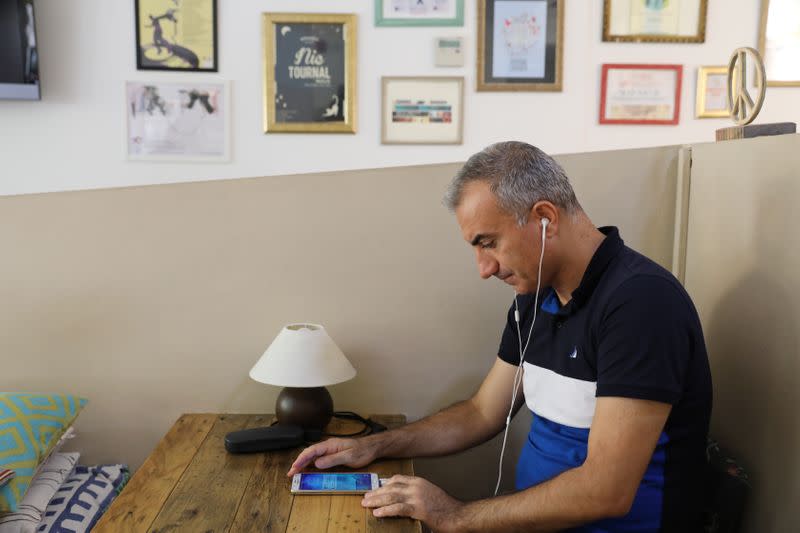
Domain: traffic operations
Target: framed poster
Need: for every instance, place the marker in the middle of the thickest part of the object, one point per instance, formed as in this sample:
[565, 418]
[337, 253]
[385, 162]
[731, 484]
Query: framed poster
[178, 121]
[422, 110]
[419, 12]
[712, 92]
[655, 21]
[176, 35]
[779, 41]
[640, 94]
[309, 73]
[520, 45]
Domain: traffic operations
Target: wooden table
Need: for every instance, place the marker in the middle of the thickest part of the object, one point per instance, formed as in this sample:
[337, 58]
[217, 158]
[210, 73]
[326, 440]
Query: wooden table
[190, 483]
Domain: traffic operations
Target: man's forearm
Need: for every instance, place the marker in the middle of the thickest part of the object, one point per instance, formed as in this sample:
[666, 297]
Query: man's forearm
[573, 498]
[451, 430]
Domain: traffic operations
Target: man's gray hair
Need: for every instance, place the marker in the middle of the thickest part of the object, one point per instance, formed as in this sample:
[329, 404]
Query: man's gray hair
[519, 175]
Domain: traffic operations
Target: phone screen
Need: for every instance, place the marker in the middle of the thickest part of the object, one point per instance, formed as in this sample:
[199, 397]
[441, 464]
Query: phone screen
[333, 482]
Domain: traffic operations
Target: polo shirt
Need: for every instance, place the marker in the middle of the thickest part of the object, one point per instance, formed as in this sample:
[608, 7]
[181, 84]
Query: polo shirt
[630, 330]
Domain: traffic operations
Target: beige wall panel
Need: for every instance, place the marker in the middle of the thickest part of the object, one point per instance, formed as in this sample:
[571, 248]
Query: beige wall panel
[743, 272]
[156, 301]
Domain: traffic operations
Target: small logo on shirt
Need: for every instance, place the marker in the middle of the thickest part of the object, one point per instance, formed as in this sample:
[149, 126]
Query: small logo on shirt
[574, 354]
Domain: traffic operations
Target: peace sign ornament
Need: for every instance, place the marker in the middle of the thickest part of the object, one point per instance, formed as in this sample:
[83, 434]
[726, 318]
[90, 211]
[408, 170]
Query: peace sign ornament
[743, 109]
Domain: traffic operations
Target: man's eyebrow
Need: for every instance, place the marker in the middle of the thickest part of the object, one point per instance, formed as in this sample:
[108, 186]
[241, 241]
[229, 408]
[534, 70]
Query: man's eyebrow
[478, 238]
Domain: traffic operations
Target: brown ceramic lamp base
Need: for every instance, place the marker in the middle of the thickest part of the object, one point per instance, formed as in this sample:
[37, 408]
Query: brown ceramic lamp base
[307, 407]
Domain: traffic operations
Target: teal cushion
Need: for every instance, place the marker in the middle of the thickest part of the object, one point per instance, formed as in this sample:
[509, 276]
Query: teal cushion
[30, 426]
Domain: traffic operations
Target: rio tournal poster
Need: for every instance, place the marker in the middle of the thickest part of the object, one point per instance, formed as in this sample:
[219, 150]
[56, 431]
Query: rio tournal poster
[309, 72]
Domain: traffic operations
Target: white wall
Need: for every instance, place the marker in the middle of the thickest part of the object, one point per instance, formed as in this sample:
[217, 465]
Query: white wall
[74, 138]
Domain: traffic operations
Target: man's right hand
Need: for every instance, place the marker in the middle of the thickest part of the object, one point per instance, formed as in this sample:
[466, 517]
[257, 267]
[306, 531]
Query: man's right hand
[354, 453]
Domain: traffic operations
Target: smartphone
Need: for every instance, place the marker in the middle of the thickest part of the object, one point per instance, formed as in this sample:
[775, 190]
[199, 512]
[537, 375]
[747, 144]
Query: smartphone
[334, 482]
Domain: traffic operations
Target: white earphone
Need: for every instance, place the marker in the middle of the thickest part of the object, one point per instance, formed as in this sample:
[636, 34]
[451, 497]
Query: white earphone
[519, 371]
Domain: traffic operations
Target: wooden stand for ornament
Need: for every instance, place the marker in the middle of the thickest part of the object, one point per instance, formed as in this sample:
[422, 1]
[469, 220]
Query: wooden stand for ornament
[755, 130]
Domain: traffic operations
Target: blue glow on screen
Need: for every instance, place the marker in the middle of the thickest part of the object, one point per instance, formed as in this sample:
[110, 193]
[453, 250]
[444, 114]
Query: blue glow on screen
[329, 481]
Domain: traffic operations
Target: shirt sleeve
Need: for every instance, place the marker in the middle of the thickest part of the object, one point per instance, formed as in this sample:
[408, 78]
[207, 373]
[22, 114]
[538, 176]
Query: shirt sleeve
[645, 341]
[509, 343]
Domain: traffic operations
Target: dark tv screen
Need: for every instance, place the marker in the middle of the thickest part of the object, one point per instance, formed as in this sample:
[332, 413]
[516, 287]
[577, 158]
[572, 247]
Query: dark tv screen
[19, 56]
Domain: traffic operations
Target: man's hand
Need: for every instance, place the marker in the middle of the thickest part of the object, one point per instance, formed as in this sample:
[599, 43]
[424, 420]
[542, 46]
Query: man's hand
[416, 498]
[332, 452]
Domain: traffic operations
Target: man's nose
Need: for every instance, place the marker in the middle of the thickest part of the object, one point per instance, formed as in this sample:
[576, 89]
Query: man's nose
[487, 266]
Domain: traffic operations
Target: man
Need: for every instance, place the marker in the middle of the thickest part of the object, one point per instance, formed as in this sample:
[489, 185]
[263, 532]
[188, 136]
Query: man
[615, 372]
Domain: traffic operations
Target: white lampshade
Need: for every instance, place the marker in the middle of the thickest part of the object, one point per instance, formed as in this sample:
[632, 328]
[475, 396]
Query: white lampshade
[302, 355]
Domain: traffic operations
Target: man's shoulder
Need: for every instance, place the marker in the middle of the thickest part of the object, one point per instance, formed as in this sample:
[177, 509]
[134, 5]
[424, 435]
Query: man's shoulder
[636, 277]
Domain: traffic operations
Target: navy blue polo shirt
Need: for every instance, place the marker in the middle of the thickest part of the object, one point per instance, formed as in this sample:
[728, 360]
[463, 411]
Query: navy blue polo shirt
[630, 330]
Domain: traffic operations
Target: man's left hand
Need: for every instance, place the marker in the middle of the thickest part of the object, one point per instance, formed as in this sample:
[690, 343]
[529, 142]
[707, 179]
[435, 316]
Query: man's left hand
[417, 498]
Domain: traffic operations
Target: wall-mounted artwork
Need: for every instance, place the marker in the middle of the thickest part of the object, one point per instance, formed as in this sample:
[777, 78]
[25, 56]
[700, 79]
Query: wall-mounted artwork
[176, 35]
[712, 92]
[419, 12]
[640, 94]
[779, 41]
[178, 121]
[422, 110]
[309, 73]
[520, 45]
[655, 21]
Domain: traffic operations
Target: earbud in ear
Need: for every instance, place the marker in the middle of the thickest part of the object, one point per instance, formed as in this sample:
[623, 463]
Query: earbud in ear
[545, 222]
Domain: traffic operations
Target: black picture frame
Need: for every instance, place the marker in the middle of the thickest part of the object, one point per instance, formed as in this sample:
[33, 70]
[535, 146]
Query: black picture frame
[156, 51]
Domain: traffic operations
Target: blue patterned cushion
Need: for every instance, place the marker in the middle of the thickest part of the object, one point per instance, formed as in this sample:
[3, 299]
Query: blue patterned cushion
[83, 498]
[30, 425]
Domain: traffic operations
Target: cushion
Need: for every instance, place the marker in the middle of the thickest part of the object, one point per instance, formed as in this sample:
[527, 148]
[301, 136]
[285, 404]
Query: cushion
[50, 477]
[30, 426]
[82, 500]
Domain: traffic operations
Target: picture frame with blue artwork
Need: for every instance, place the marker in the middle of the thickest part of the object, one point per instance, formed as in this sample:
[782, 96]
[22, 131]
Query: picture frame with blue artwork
[419, 12]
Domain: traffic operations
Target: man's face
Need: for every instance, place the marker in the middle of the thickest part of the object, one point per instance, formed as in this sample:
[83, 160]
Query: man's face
[503, 249]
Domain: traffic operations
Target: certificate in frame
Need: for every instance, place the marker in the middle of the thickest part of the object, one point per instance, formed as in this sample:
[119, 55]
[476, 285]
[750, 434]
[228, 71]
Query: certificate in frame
[779, 41]
[520, 45]
[419, 12]
[655, 21]
[712, 92]
[309, 73]
[640, 94]
[422, 110]
[176, 35]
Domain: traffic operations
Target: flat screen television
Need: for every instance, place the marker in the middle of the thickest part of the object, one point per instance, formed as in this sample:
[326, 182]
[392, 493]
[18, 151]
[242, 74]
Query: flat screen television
[19, 57]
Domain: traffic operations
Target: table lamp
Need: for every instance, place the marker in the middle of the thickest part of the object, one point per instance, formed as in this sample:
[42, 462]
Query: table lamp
[303, 359]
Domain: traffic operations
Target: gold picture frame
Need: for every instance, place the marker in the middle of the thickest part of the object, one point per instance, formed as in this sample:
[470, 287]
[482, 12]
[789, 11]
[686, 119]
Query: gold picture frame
[654, 21]
[712, 92]
[536, 67]
[309, 72]
[787, 55]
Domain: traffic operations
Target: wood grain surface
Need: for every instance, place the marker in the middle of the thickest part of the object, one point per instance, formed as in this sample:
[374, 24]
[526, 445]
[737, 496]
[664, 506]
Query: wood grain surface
[190, 483]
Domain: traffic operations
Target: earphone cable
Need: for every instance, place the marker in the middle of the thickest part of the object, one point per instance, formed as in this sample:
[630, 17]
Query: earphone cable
[518, 373]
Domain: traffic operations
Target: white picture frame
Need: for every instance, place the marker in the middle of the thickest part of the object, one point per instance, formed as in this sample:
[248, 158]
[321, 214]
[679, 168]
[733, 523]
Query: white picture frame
[422, 110]
[183, 122]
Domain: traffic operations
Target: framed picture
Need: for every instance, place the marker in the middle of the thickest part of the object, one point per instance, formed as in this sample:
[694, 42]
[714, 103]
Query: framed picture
[520, 45]
[712, 92]
[309, 73]
[640, 94]
[655, 21]
[178, 121]
[779, 41]
[419, 12]
[425, 110]
[176, 35]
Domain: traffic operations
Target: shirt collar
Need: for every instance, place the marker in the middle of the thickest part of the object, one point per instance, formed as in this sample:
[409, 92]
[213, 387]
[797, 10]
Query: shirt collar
[607, 250]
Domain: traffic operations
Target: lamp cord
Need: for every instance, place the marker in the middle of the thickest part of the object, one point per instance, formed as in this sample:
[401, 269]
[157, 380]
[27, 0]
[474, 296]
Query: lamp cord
[370, 427]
